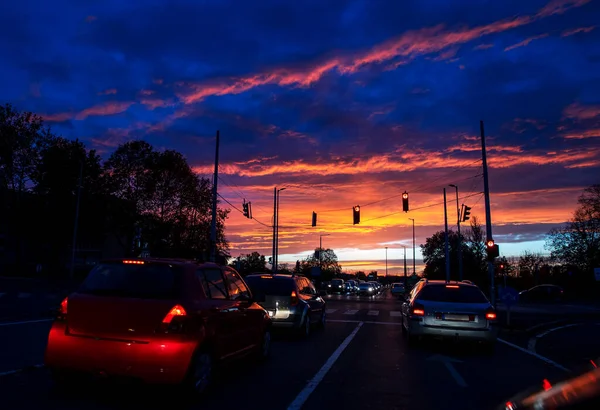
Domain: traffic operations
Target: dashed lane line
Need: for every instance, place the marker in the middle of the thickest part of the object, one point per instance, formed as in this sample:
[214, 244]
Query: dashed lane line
[373, 313]
[351, 312]
[395, 313]
[330, 311]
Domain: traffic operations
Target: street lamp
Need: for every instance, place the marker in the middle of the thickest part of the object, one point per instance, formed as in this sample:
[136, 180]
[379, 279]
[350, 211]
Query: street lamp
[321, 248]
[414, 261]
[386, 272]
[460, 261]
[276, 259]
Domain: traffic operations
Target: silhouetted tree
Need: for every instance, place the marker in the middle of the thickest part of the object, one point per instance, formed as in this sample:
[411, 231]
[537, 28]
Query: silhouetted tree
[250, 263]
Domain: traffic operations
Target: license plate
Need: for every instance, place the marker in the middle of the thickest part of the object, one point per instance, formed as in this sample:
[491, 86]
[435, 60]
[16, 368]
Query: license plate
[457, 318]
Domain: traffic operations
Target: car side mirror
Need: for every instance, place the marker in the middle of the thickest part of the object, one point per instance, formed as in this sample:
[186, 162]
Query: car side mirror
[322, 293]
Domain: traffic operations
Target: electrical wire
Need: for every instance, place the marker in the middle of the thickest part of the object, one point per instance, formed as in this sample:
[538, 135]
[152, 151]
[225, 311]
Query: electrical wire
[242, 212]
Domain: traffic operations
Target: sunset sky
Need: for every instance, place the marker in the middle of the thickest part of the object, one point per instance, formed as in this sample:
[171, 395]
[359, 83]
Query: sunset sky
[343, 102]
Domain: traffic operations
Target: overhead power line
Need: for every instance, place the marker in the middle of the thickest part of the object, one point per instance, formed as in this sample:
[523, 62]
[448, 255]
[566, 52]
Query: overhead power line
[242, 212]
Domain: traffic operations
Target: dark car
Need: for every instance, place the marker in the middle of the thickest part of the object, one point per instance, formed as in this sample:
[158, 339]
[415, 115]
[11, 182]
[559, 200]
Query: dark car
[292, 301]
[542, 293]
[337, 286]
[156, 320]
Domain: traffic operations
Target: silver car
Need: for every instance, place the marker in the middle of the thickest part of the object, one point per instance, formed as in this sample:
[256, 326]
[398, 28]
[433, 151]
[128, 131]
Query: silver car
[454, 310]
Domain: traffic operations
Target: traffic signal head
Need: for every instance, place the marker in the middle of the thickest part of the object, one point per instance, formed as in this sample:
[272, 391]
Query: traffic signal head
[489, 244]
[246, 210]
[356, 215]
[314, 219]
[466, 214]
[405, 201]
[493, 250]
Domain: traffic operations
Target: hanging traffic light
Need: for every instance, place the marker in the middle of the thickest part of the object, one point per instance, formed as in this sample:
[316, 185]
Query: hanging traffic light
[246, 207]
[356, 214]
[493, 250]
[314, 219]
[405, 201]
[466, 213]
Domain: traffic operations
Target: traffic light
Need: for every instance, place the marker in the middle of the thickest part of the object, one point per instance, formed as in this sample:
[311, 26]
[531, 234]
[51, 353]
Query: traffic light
[356, 214]
[246, 206]
[314, 219]
[405, 201]
[493, 250]
[466, 213]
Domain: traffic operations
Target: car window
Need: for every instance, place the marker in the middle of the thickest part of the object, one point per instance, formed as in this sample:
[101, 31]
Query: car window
[237, 287]
[452, 294]
[143, 280]
[212, 283]
[337, 282]
[305, 286]
[270, 285]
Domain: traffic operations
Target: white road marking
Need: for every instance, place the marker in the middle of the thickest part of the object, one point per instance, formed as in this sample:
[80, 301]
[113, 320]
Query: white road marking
[314, 382]
[8, 373]
[542, 358]
[351, 312]
[25, 322]
[448, 363]
[364, 321]
[23, 295]
[395, 313]
[373, 313]
[330, 311]
[533, 341]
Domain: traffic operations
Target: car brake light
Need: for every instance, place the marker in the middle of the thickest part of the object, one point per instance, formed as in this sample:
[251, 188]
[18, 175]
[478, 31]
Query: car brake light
[294, 298]
[134, 262]
[63, 306]
[452, 286]
[418, 310]
[490, 315]
[177, 310]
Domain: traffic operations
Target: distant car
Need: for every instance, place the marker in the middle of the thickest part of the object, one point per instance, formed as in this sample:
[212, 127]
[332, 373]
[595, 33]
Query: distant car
[156, 320]
[337, 286]
[366, 289]
[542, 293]
[398, 289]
[454, 310]
[292, 301]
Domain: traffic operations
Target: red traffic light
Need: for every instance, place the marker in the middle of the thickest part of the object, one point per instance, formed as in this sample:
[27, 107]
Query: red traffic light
[357, 208]
[490, 243]
[405, 195]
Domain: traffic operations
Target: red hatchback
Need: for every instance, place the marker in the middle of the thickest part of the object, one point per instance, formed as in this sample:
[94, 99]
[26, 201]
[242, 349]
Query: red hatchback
[161, 321]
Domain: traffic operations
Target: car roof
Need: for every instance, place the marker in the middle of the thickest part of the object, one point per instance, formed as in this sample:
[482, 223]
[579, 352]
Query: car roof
[170, 261]
[276, 275]
[452, 282]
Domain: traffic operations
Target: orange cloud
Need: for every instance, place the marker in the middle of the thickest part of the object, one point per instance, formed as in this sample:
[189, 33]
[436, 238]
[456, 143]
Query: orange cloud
[574, 31]
[525, 42]
[403, 48]
[582, 112]
[108, 108]
[592, 133]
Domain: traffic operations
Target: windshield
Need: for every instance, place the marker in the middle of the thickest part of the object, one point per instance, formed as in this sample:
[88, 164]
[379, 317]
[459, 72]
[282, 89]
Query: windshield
[272, 286]
[397, 285]
[337, 282]
[365, 285]
[452, 294]
[147, 281]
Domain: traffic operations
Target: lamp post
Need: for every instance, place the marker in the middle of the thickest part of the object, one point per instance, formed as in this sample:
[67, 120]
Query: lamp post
[276, 259]
[414, 261]
[386, 271]
[460, 261]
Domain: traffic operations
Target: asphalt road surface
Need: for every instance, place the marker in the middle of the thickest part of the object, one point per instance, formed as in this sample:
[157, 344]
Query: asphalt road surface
[360, 361]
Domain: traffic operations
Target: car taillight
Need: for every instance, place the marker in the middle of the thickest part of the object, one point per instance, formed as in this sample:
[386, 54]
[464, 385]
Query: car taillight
[418, 310]
[63, 306]
[490, 315]
[294, 298]
[172, 321]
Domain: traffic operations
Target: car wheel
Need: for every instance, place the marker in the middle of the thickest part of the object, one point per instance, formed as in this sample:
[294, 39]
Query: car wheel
[265, 346]
[201, 373]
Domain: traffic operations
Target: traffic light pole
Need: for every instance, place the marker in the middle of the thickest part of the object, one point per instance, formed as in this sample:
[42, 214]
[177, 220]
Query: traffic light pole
[273, 260]
[446, 244]
[488, 216]
[213, 223]
[460, 260]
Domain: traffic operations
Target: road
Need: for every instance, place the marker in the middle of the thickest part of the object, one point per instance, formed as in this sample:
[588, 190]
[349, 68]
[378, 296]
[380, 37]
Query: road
[360, 361]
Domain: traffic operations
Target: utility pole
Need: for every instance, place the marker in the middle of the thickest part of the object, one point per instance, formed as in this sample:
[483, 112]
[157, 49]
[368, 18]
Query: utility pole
[277, 228]
[405, 276]
[274, 260]
[460, 260]
[386, 271]
[76, 223]
[446, 245]
[213, 224]
[414, 259]
[488, 216]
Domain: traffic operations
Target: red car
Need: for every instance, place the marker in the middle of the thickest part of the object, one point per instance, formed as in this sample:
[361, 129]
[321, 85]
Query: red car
[161, 321]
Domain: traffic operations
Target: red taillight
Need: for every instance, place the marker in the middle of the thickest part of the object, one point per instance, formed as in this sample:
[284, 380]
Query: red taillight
[294, 298]
[63, 306]
[418, 310]
[177, 310]
[546, 385]
[133, 262]
[490, 315]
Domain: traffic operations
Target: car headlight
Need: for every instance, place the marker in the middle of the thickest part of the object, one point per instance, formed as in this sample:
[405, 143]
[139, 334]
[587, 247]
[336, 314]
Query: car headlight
[370, 289]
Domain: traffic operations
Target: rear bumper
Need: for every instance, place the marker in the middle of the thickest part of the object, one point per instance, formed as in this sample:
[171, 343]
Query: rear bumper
[489, 334]
[163, 361]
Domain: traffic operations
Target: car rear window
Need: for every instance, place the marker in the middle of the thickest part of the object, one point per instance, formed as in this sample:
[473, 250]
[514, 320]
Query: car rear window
[270, 286]
[452, 293]
[144, 281]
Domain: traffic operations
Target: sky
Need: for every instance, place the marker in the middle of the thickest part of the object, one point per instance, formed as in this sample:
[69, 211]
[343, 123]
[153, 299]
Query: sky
[343, 103]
